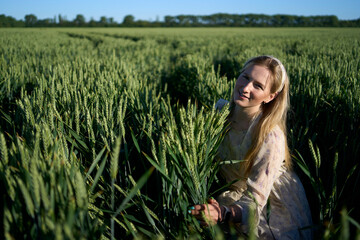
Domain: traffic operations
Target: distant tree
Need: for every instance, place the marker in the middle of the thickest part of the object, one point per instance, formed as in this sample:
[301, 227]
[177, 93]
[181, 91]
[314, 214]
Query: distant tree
[333, 21]
[111, 22]
[194, 20]
[92, 23]
[7, 21]
[185, 20]
[278, 20]
[4, 21]
[103, 21]
[47, 22]
[143, 23]
[79, 20]
[63, 22]
[30, 20]
[170, 21]
[208, 20]
[128, 20]
[60, 19]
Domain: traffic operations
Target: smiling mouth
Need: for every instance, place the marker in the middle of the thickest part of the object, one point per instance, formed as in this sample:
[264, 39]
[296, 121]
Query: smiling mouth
[243, 96]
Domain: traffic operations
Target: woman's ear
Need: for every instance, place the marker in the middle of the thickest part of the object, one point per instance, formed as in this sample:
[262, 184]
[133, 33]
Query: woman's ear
[271, 97]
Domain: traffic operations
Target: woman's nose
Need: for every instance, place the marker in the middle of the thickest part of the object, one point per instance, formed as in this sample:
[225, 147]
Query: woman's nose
[246, 86]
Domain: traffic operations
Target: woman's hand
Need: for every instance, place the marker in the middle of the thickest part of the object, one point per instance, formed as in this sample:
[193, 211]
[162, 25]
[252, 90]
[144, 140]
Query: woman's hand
[207, 214]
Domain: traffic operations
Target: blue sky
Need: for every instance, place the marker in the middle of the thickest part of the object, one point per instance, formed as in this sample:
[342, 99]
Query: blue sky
[157, 9]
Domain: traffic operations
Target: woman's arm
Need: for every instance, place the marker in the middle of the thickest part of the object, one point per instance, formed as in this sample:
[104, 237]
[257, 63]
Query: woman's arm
[212, 213]
[266, 169]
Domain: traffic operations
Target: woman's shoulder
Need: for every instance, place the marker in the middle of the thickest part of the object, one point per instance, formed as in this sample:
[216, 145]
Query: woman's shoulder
[220, 104]
[276, 135]
[276, 131]
[273, 147]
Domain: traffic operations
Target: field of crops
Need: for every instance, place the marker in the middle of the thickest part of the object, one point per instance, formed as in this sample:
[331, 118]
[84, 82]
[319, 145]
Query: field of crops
[111, 133]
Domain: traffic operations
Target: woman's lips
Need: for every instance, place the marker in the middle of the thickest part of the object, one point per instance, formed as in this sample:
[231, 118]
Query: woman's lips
[241, 96]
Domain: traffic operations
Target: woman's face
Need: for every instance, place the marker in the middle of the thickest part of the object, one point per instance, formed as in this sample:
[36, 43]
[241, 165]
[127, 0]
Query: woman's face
[252, 88]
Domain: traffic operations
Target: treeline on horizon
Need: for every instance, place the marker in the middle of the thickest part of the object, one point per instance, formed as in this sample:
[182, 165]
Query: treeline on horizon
[214, 20]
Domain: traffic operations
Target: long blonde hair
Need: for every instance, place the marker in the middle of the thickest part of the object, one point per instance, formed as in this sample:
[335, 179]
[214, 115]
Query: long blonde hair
[273, 113]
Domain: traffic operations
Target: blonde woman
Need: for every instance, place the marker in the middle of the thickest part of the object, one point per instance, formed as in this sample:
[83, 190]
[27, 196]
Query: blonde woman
[264, 180]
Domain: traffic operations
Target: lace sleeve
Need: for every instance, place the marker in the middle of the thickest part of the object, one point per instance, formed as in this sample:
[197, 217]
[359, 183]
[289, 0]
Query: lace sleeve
[266, 169]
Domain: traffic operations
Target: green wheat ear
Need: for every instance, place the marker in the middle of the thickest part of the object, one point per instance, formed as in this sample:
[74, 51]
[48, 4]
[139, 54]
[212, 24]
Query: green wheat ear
[3, 151]
[27, 197]
[80, 190]
[315, 154]
[114, 163]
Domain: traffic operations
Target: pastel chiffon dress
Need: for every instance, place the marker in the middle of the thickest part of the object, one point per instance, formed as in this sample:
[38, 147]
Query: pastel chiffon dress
[271, 195]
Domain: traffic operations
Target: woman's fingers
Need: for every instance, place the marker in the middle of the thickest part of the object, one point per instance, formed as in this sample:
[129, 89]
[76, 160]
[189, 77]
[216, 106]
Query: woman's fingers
[205, 213]
[198, 211]
[212, 201]
[199, 208]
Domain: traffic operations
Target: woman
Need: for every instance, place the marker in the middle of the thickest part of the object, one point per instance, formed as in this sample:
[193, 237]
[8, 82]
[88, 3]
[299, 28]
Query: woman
[264, 180]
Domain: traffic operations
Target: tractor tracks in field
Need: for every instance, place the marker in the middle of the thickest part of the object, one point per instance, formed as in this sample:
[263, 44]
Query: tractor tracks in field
[96, 38]
[118, 36]
[96, 41]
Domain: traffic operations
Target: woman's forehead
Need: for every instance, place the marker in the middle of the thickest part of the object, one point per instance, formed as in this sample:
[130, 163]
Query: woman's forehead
[258, 72]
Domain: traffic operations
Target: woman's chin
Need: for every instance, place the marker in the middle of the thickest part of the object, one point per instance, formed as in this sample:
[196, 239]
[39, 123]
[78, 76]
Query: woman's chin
[239, 102]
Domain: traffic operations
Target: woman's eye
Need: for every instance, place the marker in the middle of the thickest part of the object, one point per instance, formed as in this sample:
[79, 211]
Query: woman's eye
[258, 86]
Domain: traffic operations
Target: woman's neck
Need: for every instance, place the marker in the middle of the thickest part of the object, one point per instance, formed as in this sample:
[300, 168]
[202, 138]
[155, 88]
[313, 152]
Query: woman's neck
[242, 117]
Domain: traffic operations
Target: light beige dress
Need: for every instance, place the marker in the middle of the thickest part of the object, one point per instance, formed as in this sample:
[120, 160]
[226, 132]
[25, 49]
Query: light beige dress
[269, 185]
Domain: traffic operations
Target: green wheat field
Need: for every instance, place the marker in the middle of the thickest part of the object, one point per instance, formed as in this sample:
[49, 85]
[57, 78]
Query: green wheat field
[111, 133]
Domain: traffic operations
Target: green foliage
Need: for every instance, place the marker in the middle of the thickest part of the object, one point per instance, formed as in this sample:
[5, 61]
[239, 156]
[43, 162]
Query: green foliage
[47, 194]
[112, 133]
[214, 20]
[328, 199]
